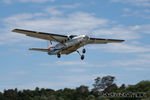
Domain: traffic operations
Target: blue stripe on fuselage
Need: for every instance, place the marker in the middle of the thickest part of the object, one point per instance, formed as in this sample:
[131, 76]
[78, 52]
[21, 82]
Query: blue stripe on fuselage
[54, 51]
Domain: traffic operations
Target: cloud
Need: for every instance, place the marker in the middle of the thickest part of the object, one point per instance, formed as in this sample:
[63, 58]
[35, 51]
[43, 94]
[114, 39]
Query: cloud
[123, 32]
[141, 3]
[53, 11]
[23, 16]
[42, 22]
[81, 21]
[71, 6]
[78, 70]
[65, 63]
[53, 18]
[126, 10]
[139, 62]
[27, 1]
[136, 13]
[60, 82]
[119, 31]
[133, 62]
[122, 48]
[9, 38]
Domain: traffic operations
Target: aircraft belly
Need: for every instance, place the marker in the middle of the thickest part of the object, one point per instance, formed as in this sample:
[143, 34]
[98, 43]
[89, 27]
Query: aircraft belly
[71, 49]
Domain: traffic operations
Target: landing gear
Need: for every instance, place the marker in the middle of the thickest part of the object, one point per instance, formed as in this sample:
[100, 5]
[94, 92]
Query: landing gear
[82, 56]
[58, 55]
[83, 51]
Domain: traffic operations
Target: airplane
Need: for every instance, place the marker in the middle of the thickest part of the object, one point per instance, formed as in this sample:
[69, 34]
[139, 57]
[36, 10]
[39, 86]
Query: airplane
[66, 44]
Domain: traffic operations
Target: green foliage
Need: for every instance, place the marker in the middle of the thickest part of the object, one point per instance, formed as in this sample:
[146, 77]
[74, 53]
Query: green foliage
[111, 88]
[91, 97]
[142, 86]
[103, 83]
[11, 94]
[80, 93]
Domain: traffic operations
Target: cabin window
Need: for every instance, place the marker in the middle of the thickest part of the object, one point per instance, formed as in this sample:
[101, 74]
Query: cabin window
[72, 36]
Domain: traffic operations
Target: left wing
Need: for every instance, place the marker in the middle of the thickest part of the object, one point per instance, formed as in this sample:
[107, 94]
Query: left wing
[39, 49]
[42, 35]
[103, 41]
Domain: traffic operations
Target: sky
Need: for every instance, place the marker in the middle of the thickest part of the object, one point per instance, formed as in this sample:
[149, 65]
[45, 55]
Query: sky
[115, 19]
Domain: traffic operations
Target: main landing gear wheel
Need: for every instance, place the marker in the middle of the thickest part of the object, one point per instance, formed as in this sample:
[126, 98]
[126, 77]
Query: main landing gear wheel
[83, 51]
[82, 57]
[58, 55]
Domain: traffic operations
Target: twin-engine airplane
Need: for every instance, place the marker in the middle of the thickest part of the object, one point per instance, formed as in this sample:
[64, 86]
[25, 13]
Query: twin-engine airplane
[66, 44]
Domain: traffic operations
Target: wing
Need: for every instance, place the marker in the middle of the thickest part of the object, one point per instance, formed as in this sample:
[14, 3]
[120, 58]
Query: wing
[42, 35]
[103, 41]
[39, 49]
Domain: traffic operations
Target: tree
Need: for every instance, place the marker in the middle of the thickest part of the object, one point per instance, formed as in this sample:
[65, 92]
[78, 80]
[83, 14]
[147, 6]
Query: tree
[123, 87]
[68, 94]
[11, 94]
[91, 97]
[51, 97]
[142, 86]
[82, 91]
[102, 83]
[60, 98]
[111, 88]
[1, 96]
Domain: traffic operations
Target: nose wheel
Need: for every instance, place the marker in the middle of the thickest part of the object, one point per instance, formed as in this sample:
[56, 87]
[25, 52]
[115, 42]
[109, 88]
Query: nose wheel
[58, 55]
[82, 57]
[83, 51]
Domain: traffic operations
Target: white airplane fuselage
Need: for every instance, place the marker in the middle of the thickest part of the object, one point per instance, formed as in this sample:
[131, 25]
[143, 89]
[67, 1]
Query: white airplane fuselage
[77, 41]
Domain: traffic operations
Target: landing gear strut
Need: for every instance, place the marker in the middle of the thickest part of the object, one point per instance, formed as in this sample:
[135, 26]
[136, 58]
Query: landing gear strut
[58, 55]
[82, 56]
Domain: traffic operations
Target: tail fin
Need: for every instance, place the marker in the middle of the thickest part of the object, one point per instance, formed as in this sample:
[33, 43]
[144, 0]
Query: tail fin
[49, 44]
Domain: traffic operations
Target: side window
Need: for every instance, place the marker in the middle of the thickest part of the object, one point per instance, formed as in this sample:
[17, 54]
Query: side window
[72, 36]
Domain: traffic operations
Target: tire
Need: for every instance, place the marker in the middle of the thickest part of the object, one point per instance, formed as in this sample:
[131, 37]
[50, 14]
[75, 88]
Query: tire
[58, 55]
[83, 51]
[82, 57]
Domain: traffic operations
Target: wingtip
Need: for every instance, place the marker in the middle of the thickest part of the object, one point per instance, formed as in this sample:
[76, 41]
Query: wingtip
[14, 30]
[116, 40]
[122, 40]
[30, 49]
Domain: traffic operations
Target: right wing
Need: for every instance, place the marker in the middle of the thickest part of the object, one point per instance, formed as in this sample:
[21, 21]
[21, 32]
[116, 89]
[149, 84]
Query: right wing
[38, 49]
[42, 35]
[103, 41]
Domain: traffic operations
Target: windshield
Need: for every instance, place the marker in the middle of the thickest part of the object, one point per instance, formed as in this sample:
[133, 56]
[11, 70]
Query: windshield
[72, 36]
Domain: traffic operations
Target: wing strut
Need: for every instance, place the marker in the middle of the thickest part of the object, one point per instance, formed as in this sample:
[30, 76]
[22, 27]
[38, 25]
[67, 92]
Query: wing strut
[55, 39]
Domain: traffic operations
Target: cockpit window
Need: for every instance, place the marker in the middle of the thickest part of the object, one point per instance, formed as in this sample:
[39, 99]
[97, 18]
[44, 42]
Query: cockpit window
[72, 36]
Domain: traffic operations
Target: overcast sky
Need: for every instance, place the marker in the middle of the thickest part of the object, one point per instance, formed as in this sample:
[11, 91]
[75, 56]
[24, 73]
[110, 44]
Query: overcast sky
[129, 62]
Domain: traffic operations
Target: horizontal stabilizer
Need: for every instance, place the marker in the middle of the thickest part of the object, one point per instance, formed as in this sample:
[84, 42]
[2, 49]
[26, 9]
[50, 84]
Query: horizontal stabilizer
[39, 49]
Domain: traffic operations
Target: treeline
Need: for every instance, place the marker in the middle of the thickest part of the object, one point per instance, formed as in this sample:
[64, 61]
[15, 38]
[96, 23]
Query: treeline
[80, 93]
